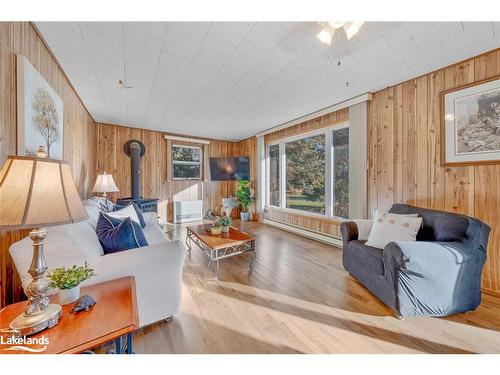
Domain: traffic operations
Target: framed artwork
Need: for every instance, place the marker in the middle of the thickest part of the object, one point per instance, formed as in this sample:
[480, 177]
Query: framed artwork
[470, 124]
[39, 114]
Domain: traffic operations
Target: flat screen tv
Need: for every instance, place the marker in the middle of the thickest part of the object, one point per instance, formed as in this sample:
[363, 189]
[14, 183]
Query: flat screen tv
[224, 169]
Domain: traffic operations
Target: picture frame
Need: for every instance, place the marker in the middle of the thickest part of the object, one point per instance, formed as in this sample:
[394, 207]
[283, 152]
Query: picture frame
[40, 114]
[470, 124]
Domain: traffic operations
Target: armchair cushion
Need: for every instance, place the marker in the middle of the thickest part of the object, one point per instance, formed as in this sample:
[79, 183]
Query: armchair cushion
[364, 228]
[437, 225]
[393, 227]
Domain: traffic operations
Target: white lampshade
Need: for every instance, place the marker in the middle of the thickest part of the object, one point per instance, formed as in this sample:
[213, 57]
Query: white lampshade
[105, 184]
[37, 192]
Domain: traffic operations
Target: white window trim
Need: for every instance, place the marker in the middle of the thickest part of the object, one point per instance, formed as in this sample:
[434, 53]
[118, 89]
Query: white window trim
[329, 162]
[200, 163]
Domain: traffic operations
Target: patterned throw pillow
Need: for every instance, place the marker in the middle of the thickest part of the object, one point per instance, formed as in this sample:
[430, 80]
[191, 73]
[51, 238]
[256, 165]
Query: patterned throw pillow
[117, 234]
[393, 227]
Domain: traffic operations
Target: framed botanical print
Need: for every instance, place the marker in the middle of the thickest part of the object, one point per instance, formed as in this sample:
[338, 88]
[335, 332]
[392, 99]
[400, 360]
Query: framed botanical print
[470, 124]
[40, 114]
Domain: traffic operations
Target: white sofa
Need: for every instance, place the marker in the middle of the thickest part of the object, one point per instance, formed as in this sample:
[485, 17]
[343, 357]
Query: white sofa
[157, 268]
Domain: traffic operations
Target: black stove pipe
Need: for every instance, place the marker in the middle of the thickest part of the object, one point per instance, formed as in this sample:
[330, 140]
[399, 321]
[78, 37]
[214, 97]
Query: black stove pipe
[135, 150]
[135, 162]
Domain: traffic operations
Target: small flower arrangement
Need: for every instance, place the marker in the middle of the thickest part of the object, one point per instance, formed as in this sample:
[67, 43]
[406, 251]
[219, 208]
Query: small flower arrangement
[71, 277]
[224, 221]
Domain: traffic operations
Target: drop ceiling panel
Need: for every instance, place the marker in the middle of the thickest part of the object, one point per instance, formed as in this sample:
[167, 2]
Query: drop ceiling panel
[230, 80]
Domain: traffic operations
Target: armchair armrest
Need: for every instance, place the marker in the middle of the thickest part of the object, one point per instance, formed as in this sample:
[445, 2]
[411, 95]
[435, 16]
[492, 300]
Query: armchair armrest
[349, 231]
[434, 278]
[428, 256]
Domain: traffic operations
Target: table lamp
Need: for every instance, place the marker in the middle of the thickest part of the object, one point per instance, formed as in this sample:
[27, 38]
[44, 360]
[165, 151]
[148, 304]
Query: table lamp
[105, 184]
[37, 192]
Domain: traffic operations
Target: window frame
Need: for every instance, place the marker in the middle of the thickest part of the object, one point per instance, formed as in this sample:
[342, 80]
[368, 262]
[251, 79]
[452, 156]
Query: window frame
[200, 163]
[327, 132]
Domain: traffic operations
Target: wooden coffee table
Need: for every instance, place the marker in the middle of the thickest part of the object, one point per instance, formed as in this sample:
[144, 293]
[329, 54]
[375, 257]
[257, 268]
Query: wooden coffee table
[220, 246]
[114, 315]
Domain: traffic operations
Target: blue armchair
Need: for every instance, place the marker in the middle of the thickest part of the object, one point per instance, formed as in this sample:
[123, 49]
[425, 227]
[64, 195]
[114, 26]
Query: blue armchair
[438, 275]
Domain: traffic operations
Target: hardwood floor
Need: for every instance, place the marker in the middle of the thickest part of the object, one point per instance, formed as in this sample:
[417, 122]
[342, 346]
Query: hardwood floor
[299, 299]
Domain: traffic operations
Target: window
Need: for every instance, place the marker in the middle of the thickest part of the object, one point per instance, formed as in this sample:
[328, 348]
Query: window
[341, 172]
[305, 174]
[186, 162]
[274, 175]
[311, 173]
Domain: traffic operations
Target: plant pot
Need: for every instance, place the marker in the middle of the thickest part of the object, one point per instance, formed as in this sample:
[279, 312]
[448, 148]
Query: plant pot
[216, 230]
[67, 296]
[225, 229]
[245, 216]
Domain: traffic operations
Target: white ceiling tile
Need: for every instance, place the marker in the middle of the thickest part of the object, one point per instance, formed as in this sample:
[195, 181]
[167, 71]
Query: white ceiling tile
[214, 49]
[194, 31]
[233, 79]
[231, 33]
[180, 46]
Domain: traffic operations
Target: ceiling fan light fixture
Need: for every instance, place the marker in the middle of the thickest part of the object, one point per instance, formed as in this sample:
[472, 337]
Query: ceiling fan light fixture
[352, 28]
[336, 24]
[325, 35]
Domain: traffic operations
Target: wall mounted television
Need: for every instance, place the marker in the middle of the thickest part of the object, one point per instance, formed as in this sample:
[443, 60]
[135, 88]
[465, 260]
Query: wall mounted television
[229, 169]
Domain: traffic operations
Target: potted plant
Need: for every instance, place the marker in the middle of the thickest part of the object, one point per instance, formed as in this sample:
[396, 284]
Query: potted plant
[245, 198]
[68, 281]
[224, 222]
[215, 228]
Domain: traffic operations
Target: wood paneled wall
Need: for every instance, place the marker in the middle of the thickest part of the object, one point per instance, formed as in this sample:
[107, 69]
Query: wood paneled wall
[314, 223]
[156, 165]
[404, 154]
[79, 130]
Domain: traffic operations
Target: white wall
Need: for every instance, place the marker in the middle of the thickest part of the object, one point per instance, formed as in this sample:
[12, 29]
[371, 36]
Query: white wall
[358, 154]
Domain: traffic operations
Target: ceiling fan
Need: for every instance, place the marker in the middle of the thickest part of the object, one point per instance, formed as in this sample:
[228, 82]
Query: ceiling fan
[123, 85]
[329, 28]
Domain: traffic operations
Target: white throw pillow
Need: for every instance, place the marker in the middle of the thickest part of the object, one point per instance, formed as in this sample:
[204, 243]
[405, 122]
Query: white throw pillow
[125, 212]
[365, 225]
[364, 228]
[393, 227]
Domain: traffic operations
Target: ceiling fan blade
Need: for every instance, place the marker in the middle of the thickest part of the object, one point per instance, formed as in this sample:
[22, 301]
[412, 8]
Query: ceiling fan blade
[325, 36]
[352, 28]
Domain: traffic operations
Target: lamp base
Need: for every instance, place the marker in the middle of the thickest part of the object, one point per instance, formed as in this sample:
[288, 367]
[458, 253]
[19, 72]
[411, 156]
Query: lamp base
[30, 324]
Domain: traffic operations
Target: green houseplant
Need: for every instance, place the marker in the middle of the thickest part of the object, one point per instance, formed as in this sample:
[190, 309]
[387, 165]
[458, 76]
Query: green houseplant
[224, 222]
[68, 280]
[245, 198]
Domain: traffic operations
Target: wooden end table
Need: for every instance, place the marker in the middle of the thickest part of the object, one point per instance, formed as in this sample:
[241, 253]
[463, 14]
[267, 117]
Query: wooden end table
[114, 315]
[220, 246]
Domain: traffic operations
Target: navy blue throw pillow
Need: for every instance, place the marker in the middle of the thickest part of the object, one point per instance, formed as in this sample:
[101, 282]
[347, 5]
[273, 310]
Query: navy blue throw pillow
[118, 235]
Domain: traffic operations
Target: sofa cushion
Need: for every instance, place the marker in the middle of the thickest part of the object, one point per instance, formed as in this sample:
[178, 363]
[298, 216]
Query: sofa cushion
[366, 258]
[127, 211]
[119, 234]
[102, 203]
[138, 211]
[437, 225]
[393, 227]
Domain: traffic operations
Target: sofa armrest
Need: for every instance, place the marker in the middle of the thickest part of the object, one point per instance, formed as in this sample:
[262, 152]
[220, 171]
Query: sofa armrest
[428, 256]
[434, 278]
[349, 231]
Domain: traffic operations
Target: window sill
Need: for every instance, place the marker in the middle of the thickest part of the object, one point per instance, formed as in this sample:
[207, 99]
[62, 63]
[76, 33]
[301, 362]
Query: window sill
[291, 211]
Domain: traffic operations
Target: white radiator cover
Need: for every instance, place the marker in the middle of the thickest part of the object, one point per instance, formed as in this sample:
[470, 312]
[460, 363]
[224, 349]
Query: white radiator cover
[185, 211]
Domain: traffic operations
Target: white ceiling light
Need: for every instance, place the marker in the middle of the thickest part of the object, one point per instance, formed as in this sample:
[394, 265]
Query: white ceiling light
[326, 34]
